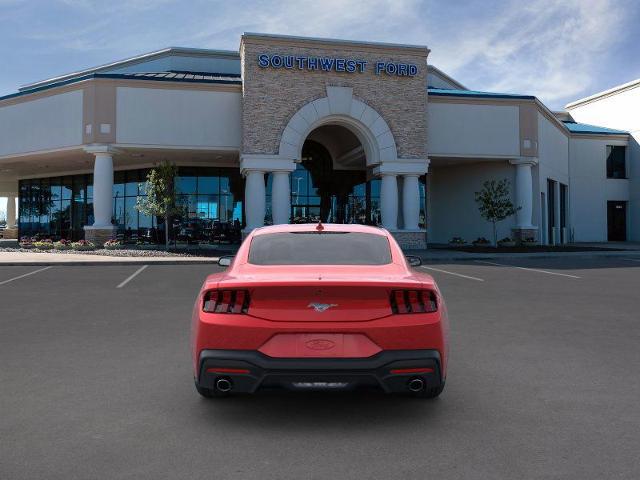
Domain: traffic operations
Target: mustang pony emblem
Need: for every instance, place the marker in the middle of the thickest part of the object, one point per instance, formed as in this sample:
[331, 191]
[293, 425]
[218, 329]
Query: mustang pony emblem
[321, 307]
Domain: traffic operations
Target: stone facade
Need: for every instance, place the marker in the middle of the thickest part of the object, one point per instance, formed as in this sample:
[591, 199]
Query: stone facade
[9, 233]
[99, 236]
[272, 96]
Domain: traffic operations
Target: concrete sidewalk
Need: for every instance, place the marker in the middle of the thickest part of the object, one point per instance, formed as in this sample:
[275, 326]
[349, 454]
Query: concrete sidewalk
[38, 259]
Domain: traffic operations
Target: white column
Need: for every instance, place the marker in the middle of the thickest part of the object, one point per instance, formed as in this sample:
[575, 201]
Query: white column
[103, 190]
[389, 201]
[11, 212]
[255, 200]
[524, 194]
[280, 198]
[411, 201]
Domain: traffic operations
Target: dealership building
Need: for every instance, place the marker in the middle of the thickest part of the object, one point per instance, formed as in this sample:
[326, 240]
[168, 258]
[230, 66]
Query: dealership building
[291, 130]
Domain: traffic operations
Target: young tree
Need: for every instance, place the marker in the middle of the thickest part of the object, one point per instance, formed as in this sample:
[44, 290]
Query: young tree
[160, 200]
[494, 203]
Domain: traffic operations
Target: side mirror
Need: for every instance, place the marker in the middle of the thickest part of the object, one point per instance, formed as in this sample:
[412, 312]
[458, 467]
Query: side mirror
[225, 260]
[413, 260]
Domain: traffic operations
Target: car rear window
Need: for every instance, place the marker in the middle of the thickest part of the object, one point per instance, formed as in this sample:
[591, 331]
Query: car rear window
[315, 248]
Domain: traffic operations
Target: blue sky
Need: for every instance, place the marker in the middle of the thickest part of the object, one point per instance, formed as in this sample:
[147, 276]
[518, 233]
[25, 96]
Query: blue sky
[556, 50]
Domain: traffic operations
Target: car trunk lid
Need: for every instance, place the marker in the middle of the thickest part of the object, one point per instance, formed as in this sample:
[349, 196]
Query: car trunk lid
[321, 294]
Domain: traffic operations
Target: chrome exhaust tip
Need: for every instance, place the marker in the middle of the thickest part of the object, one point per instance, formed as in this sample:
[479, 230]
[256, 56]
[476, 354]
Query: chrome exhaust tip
[416, 385]
[224, 385]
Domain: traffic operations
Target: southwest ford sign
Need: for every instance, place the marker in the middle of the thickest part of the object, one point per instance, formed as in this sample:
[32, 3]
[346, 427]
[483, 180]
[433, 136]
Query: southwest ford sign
[333, 64]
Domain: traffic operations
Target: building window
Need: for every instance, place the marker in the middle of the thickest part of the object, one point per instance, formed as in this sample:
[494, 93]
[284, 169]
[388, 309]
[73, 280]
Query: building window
[616, 164]
[211, 200]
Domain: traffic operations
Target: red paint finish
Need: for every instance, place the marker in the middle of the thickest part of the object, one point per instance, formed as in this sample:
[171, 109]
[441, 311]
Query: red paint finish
[302, 311]
[321, 345]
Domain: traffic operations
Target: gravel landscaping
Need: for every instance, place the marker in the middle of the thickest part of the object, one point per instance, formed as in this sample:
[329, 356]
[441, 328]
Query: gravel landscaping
[106, 253]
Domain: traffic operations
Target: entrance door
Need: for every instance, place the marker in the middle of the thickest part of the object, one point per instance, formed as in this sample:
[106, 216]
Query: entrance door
[543, 222]
[551, 211]
[617, 221]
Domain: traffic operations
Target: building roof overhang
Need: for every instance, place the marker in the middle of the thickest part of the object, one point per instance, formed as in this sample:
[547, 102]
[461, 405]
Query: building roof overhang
[569, 128]
[145, 57]
[175, 77]
[605, 93]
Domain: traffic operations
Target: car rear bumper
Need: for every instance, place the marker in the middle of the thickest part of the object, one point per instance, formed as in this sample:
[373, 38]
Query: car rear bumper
[390, 370]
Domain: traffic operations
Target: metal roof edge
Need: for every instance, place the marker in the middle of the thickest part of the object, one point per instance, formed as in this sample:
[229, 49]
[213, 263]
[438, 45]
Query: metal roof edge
[605, 93]
[447, 77]
[337, 41]
[124, 76]
[131, 61]
[476, 94]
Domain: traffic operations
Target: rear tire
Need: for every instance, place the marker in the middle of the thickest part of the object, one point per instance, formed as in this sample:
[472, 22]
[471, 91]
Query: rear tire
[209, 392]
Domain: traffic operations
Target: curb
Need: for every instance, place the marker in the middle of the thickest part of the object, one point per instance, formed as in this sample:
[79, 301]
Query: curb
[536, 255]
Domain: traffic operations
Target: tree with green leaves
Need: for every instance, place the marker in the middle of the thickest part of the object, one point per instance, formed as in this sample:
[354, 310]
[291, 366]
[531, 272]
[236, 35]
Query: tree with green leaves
[494, 203]
[160, 199]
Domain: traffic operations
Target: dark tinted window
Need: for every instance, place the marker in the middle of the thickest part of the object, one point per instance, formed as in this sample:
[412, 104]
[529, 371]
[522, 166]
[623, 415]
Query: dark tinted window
[327, 248]
[616, 162]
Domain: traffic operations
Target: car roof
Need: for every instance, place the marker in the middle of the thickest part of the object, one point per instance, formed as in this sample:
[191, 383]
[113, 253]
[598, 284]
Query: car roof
[327, 227]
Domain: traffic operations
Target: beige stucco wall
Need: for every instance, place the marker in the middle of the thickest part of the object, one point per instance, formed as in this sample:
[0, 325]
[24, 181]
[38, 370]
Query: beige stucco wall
[272, 96]
[45, 123]
[473, 129]
[178, 117]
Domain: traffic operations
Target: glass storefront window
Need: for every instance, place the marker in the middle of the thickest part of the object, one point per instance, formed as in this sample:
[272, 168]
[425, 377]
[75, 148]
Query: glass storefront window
[422, 222]
[208, 185]
[67, 189]
[359, 203]
[186, 184]
[118, 184]
[211, 199]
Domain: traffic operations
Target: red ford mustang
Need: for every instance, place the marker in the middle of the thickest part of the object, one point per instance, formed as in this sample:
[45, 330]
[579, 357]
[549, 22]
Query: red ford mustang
[319, 307]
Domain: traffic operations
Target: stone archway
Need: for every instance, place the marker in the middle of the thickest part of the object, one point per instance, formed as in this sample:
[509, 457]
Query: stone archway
[339, 107]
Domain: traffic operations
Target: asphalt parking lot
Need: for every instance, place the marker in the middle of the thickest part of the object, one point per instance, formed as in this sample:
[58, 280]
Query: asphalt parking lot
[95, 383]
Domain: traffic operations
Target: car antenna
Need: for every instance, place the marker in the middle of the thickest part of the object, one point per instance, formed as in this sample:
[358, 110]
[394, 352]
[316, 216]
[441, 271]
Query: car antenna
[319, 227]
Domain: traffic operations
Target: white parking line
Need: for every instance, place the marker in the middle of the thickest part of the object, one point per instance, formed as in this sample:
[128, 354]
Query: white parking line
[529, 269]
[132, 276]
[453, 273]
[25, 275]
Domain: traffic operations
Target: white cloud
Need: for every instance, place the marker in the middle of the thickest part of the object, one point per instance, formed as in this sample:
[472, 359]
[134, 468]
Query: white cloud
[546, 48]
[542, 47]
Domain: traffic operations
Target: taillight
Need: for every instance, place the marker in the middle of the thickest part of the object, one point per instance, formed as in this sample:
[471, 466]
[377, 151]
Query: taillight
[226, 301]
[413, 301]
